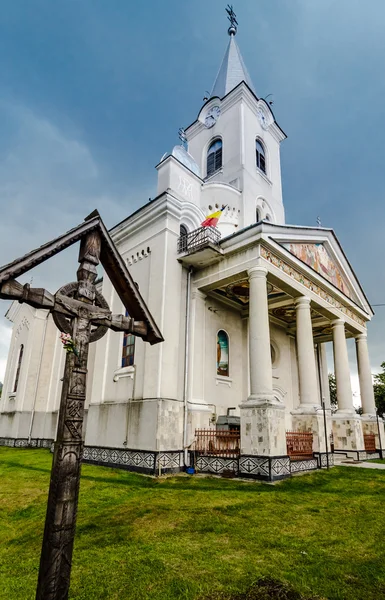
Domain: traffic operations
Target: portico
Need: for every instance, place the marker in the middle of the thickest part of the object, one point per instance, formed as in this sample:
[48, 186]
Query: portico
[294, 311]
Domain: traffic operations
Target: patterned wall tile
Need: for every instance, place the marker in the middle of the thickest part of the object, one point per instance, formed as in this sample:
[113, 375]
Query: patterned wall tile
[216, 464]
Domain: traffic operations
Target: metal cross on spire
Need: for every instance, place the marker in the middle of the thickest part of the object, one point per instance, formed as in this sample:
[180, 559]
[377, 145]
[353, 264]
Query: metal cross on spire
[232, 30]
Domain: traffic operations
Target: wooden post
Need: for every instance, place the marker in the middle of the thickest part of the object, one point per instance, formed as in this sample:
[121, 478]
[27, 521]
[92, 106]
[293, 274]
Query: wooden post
[59, 532]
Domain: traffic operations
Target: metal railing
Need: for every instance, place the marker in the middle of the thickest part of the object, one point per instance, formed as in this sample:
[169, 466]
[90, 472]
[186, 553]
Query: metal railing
[217, 442]
[203, 236]
[370, 442]
[299, 444]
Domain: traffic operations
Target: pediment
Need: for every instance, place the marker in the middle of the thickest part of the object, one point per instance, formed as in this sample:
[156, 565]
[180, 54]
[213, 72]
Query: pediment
[316, 256]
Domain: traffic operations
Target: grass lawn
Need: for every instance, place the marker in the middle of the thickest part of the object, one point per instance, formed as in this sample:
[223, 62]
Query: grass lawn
[380, 461]
[188, 537]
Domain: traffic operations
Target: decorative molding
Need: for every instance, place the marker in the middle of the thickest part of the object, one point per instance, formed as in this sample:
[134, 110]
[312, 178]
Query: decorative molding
[134, 258]
[124, 372]
[220, 380]
[313, 287]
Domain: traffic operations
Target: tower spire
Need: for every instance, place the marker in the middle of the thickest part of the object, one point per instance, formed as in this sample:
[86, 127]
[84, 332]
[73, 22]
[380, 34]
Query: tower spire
[233, 69]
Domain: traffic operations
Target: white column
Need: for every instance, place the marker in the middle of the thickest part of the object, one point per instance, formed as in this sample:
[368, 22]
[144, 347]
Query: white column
[341, 368]
[365, 376]
[261, 377]
[307, 372]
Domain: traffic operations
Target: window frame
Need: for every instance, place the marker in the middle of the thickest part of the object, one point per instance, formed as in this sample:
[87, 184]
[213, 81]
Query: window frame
[217, 153]
[260, 157]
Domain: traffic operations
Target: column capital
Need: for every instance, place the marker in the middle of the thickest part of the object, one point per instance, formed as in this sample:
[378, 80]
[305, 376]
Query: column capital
[361, 337]
[302, 301]
[257, 272]
[337, 323]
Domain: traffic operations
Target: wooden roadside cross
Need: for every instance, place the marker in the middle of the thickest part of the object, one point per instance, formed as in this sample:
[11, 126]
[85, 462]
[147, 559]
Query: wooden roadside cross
[79, 310]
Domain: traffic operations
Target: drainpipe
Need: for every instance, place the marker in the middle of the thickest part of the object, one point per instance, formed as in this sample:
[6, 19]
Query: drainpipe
[186, 364]
[37, 379]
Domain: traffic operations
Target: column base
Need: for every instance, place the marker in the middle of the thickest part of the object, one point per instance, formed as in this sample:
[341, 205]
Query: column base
[314, 423]
[263, 431]
[261, 400]
[347, 432]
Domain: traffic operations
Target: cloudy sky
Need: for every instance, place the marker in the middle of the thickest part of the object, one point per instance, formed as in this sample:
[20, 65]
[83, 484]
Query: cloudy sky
[92, 93]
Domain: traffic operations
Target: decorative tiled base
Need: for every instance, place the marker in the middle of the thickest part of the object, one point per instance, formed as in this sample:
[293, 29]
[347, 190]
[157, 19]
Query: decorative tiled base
[298, 466]
[23, 443]
[142, 461]
[322, 460]
[268, 468]
[216, 464]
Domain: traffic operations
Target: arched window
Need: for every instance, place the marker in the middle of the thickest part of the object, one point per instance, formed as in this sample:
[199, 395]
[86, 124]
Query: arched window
[258, 216]
[260, 158]
[19, 361]
[214, 156]
[222, 353]
[128, 351]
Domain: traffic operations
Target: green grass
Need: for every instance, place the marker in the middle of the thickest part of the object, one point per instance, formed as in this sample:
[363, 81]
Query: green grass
[380, 461]
[190, 537]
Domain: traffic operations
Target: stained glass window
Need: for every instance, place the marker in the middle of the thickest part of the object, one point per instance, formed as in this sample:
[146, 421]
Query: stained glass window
[222, 353]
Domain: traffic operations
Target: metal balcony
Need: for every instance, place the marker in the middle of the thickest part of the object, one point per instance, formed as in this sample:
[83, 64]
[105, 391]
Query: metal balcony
[200, 247]
[199, 238]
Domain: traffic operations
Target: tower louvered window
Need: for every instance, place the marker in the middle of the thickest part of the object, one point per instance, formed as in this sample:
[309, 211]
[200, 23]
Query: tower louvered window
[214, 157]
[260, 156]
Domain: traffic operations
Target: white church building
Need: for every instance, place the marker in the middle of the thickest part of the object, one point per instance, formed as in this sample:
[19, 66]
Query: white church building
[245, 310]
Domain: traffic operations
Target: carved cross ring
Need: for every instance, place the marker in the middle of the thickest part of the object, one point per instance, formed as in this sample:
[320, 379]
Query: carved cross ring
[62, 322]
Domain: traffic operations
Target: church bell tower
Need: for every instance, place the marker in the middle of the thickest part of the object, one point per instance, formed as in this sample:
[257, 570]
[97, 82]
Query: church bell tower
[235, 141]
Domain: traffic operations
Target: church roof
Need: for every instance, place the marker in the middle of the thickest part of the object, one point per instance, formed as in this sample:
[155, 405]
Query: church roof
[232, 71]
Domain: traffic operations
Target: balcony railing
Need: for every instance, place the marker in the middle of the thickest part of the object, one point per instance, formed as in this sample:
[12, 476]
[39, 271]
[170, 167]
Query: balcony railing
[199, 238]
[299, 445]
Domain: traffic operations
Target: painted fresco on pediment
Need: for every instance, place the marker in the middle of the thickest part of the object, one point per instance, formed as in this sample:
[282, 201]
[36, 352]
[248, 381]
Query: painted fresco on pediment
[316, 256]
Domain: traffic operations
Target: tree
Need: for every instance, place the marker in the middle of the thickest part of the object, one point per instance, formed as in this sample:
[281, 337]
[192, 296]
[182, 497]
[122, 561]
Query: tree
[379, 390]
[333, 392]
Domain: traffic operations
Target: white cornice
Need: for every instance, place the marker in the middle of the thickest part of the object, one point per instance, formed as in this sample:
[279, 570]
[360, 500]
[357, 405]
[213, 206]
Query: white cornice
[165, 206]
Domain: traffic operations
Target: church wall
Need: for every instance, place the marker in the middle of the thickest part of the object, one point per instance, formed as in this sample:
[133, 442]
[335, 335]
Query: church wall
[141, 407]
[224, 392]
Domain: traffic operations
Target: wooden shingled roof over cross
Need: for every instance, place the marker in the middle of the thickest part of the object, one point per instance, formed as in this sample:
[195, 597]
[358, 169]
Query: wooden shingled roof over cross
[111, 261]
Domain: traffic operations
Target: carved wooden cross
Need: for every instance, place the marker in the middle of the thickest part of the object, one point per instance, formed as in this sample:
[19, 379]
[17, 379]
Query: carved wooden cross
[80, 310]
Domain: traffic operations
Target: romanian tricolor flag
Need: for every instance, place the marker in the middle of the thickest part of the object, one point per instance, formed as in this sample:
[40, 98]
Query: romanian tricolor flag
[212, 220]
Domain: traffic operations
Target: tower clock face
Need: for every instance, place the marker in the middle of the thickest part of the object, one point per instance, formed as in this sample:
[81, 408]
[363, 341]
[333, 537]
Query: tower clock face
[212, 116]
[262, 119]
